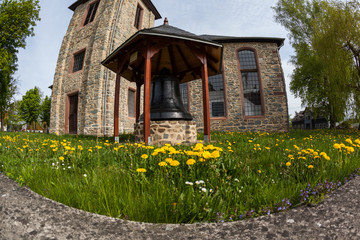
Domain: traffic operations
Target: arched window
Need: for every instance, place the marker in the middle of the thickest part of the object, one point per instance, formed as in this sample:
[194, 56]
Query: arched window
[250, 78]
[217, 96]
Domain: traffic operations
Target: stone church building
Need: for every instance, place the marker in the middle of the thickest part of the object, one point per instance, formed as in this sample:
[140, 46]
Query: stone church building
[248, 95]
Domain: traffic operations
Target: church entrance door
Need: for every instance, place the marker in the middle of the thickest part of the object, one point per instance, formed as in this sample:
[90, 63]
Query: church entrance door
[73, 113]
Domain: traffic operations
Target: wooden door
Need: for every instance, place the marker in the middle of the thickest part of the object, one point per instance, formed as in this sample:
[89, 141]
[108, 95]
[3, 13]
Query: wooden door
[73, 113]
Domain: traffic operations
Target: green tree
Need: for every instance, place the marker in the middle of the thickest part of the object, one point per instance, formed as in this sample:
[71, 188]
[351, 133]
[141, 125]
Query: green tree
[17, 21]
[29, 106]
[7, 90]
[13, 120]
[323, 69]
[346, 41]
[45, 111]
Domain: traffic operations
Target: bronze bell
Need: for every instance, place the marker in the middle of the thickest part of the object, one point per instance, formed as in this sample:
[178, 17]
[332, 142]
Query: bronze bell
[166, 102]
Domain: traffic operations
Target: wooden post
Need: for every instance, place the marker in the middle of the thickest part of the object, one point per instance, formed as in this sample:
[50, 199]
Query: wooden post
[206, 109]
[147, 87]
[200, 53]
[116, 108]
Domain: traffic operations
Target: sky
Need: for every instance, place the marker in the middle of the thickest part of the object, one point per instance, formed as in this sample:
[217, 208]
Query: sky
[241, 18]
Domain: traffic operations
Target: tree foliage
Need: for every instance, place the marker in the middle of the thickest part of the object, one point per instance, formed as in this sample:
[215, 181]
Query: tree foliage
[45, 111]
[17, 21]
[320, 33]
[29, 106]
[13, 120]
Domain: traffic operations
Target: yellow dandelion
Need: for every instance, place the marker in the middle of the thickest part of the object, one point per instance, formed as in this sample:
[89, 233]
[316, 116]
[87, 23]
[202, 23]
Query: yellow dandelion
[259, 171]
[162, 164]
[310, 166]
[201, 160]
[337, 146]
[141, 170]
[174, 163]
[61, 158]
[288, 164]
[206, 155]
[144, 156]
[190, 162]
[169, 160]
[215, 154]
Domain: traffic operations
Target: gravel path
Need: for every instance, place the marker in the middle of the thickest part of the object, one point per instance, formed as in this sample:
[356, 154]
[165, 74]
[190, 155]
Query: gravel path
[27, 215]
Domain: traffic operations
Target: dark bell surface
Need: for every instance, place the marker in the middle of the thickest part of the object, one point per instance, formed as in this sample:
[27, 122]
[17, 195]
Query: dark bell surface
[166, 102]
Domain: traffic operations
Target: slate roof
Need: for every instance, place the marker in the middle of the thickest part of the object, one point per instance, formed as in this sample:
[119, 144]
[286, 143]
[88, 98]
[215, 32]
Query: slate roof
[169, 30]
[147, 3]
[231, 39]
[176, 55]
[165, 30]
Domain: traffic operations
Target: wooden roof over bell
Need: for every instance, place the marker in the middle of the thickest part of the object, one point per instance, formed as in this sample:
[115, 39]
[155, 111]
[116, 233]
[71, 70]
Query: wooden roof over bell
[177, 51]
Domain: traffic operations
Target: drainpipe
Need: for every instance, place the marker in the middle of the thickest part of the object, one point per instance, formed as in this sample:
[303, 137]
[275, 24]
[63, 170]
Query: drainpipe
[107, 70]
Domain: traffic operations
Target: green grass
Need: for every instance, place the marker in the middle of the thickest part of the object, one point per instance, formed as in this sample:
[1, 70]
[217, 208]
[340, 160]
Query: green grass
[240, 175]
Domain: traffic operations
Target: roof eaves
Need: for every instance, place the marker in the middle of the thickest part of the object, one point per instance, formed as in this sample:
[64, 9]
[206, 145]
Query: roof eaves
[144, 32]
[120, 47]
[183, 38]
[148, 4]
[231, 39]
[152, 8]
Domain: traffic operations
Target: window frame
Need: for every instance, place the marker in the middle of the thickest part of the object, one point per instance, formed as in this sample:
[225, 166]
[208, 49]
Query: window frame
[263, 115]
[72, 63]
[226, 116]
[138, 19]
[134, 91]
[87, 12]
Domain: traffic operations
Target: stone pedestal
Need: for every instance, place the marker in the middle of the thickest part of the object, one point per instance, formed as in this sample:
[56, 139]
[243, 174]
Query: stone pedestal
[171, 132]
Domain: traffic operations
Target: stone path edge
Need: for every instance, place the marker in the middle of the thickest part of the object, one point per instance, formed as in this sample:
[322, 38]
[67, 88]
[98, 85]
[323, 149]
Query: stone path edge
[25, 214]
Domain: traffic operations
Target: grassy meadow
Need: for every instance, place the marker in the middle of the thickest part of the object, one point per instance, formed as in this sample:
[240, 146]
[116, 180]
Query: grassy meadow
[237, 176]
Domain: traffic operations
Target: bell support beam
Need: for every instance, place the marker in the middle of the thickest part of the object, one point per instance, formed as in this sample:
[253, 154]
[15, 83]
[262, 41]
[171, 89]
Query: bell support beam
[121, 66]
[201, 55]
[147, 86]
[205, 87]
[148, 54]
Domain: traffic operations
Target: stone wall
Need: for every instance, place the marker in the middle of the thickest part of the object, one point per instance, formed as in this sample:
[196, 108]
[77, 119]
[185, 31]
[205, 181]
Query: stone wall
[94, 82]
[274, 91]
[168, 132]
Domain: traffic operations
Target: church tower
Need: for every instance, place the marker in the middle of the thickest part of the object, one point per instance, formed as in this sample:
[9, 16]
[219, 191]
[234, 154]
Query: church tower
[83, 90]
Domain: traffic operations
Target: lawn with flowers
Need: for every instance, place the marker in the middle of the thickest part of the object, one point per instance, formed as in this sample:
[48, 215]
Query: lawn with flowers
[237, 176]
